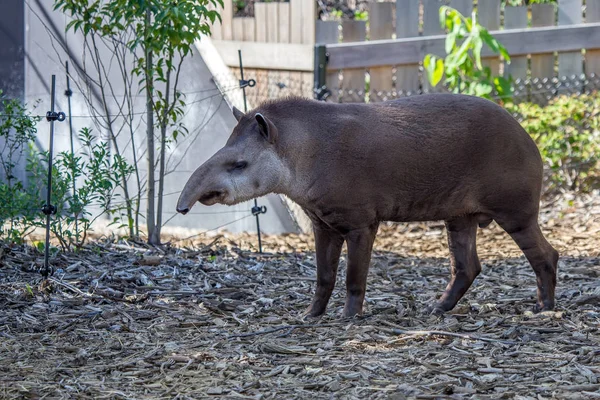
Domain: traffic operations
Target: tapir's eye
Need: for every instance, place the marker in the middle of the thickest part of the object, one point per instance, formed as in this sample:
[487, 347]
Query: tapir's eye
[240, 165]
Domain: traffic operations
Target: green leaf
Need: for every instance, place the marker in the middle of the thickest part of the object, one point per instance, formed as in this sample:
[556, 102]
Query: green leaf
[477, 45]
[434, 67]
[450, 41]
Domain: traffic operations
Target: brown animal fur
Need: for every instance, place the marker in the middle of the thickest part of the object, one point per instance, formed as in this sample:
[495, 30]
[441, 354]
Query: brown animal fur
[456, 158]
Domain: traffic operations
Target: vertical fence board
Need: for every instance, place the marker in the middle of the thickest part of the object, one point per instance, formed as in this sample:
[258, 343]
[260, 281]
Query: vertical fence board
[514, 18]
[284, 22]
[488, 14]
[407, 25]
[285, 77]
[465, 7]
[295, 21]
[260, 16]
[431, 17]
[592, 57]
[237, 28]
[353, 83]
[328, 32]
[569, 13]
[542, 65]
[216, 28]
[272, 22]
[261, 35]
[309, 19]
[431, 26]
[227, 17]
[249, 29]
[272, 37]
[381, 24]
[308, 23]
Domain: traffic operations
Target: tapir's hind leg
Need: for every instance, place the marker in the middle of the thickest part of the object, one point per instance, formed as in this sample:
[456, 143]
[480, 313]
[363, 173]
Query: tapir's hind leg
[540, 254]
[464, 262]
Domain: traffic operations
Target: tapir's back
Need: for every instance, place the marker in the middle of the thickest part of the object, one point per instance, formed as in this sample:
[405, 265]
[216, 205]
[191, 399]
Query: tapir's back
[426, 157]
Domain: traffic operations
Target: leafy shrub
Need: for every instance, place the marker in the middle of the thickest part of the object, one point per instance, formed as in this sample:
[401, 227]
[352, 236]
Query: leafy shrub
[567, 132]
[462, 67]
[98, 176]
[18, 208]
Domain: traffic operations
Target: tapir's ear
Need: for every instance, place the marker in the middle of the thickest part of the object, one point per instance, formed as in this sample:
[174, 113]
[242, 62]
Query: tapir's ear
[266, 127]
[237, 114]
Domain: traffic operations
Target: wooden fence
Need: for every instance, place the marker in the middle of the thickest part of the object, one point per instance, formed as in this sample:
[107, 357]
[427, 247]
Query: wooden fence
[277, 46]
[384, 53]
[381, 58]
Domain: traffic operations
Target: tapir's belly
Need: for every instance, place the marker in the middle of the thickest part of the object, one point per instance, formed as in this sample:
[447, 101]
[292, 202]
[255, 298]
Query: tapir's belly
[370, 204]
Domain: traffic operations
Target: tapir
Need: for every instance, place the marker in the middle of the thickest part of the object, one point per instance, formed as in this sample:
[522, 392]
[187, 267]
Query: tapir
[445, 157]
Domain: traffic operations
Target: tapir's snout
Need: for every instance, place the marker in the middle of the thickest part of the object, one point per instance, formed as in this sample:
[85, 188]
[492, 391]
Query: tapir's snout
[206, 186]
[183, 210]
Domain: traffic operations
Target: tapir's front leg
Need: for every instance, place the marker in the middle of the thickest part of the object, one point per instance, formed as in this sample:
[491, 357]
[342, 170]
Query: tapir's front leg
[360, 245]
[328, 245]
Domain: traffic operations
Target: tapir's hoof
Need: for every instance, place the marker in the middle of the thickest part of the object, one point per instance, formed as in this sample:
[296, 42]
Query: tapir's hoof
[313, 312]
[543, 307]
[352, 310]
[351, 314]
[436, 309]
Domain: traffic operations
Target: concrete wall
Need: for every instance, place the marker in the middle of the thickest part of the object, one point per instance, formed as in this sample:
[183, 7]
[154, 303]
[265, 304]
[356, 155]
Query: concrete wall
[207, 116]
[12, 47]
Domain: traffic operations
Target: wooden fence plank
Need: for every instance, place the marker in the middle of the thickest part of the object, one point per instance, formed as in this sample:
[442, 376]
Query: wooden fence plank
[284, 22]
[277, 56]
[249, 28]
[409, 51]
[227, 18]
[381, 24]
[216, 28]
[407, 25]
[237, 28]
[465, 7]
[592, 57]
[309, 19]
[514, 18]
[488, 15]
[272, 22]
[431, 26]
[260, 16]
[431, 17]
[353, 84]
[295, 21]
[570, 13]
[542, 65]
[328, 32]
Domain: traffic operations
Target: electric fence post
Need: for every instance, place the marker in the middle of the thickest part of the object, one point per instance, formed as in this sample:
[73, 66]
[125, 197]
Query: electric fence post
[256, 210]
[48, 209]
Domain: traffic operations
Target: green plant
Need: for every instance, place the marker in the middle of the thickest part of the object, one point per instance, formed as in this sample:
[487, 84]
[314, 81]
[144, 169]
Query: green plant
[462, 67]
[516, 3]
[567, 132]
[361, 15]
[18, 208]
[160, 34]
[98, 177]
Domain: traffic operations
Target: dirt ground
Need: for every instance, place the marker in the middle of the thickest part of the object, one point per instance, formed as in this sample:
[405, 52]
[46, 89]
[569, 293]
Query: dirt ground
[214, 320]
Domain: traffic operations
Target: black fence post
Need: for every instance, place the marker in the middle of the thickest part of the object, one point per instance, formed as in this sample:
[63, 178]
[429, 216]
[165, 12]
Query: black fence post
[48, 208]
[256, 210]
[320, 70]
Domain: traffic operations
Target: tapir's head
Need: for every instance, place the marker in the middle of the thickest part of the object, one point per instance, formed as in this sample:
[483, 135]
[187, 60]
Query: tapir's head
[248, 166]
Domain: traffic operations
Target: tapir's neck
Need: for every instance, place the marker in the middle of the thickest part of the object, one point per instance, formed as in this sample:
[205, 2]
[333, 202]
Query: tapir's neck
[301, 139]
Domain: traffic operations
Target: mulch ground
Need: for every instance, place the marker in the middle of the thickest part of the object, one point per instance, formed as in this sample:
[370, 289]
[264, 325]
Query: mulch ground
[214, 320]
